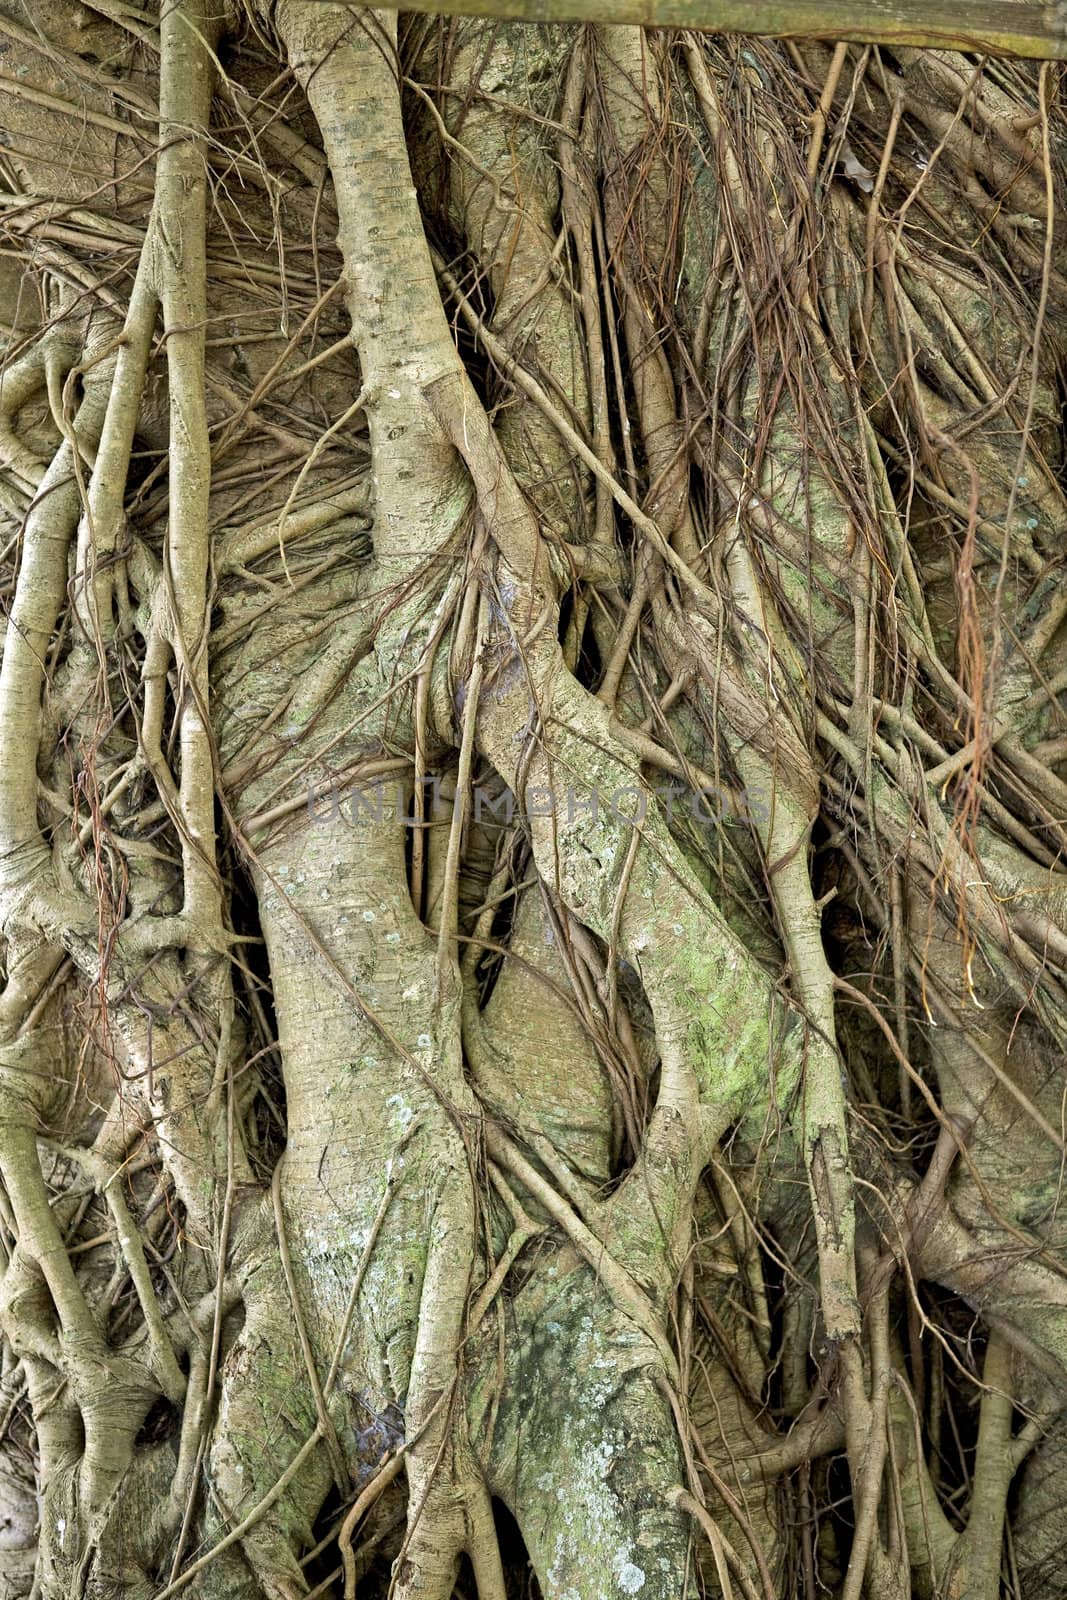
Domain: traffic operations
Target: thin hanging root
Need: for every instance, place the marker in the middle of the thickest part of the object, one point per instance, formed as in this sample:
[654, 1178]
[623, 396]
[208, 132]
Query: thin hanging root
[824, 1129]
[977, 1556]
[577, 212]
[103, 516]
[360, 1506]
[22, 380]
[725, 1556]
[826, 100]
[39, 595]
[792, 802]
[446, 1491]
[247, 1522]
[373, 1491]
[867, 1486]
[523, 1231]
[325, 1421]
[450, 409]
[187, 33]
[627, 1295]
[447, 957]
[163, 1361]
[786, 833]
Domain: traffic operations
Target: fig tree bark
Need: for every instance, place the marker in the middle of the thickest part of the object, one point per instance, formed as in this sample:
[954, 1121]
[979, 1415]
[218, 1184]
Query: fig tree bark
[533, 762]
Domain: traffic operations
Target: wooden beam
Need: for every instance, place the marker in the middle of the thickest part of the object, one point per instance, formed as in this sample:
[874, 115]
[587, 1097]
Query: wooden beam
[1034, 28]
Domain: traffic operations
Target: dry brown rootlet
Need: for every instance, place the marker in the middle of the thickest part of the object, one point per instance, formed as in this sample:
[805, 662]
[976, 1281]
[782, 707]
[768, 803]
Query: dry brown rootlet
[433, 1188]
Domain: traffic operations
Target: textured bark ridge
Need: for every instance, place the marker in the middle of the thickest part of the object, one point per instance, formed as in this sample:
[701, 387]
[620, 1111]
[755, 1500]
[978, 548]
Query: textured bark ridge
[532, 778]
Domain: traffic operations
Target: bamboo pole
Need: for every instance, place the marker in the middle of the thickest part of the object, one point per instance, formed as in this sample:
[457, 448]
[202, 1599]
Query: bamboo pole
[990, 27]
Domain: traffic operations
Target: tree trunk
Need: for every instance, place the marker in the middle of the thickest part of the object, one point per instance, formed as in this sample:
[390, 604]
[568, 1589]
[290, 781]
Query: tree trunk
[532, 770]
